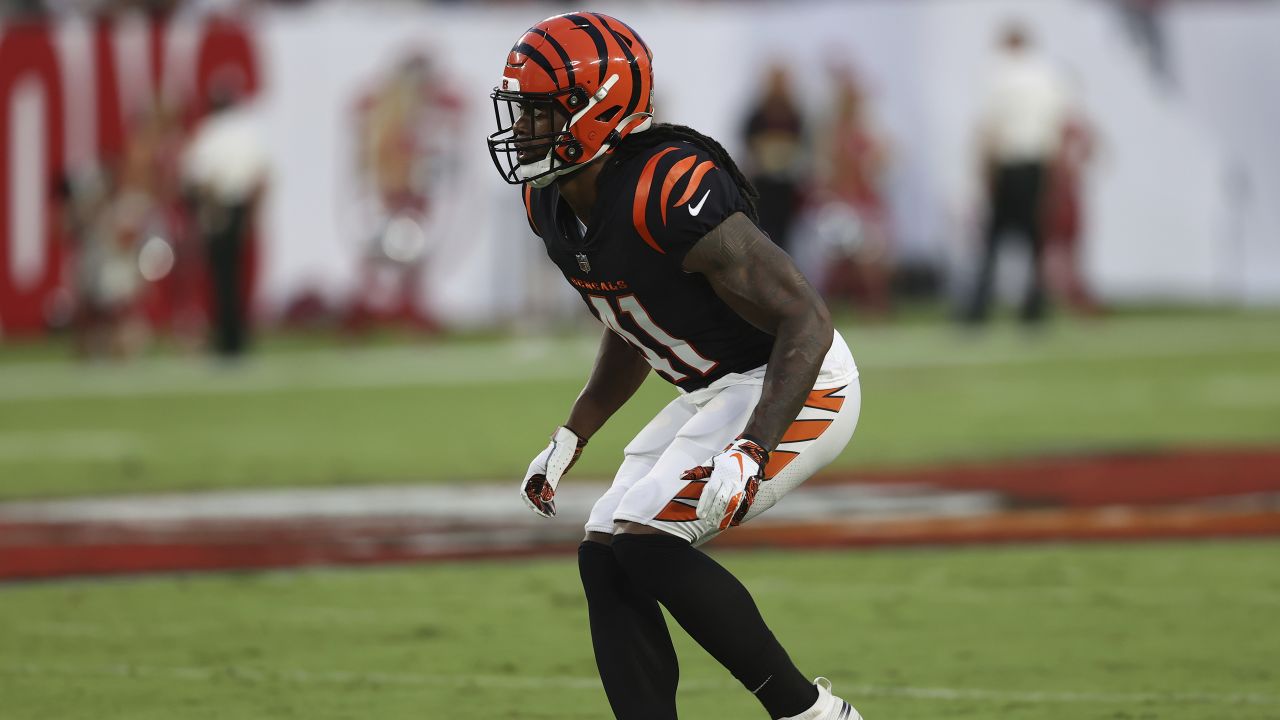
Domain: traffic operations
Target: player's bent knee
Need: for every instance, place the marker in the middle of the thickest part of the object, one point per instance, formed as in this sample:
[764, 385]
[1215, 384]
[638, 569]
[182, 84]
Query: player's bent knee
[647, 557]
[598, 568]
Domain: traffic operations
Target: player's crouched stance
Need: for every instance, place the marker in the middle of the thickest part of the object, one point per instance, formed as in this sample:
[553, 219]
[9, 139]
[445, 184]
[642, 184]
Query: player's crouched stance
[654, 225]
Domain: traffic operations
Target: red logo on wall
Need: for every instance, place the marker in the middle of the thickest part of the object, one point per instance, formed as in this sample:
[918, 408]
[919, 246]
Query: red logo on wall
[42, 85]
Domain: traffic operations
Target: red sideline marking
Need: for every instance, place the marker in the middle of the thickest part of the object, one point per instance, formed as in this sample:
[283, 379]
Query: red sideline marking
[35, 550]
[53, 562]
[1025, 526]
[332, 544]
[1151, 486]
[1122, 478]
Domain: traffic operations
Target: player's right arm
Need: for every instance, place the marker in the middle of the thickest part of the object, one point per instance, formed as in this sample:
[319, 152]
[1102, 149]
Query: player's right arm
[618, 373]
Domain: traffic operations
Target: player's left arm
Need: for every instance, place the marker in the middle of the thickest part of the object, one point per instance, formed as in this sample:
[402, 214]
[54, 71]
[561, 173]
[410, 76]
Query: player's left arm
[761, 283]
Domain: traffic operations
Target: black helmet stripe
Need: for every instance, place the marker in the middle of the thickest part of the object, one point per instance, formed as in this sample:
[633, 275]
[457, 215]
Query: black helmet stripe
[597, 37]
[636, 35]
[564, 56]
[634, 103]
[538, 58]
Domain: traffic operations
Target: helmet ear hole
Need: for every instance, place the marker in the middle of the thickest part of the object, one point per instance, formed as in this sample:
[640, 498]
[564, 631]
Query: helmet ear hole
[609, 113]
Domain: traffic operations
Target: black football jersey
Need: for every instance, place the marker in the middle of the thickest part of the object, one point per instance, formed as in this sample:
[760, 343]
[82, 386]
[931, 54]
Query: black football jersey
[650, 211]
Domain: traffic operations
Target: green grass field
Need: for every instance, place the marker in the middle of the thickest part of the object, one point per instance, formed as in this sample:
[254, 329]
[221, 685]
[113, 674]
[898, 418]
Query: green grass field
[444, 411]
[1180, 631]
[1177, 631]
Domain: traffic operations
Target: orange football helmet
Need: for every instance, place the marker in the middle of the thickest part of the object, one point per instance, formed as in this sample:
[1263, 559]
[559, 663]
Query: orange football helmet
[573, 87]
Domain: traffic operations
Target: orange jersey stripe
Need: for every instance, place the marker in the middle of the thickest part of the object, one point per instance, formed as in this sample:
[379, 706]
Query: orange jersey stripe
[694, 181]
[692, 491]
[528, 207]
[669, 183]
[778, 459]
[825, 399]
[677, 512]
[642, 200]
[802, 430]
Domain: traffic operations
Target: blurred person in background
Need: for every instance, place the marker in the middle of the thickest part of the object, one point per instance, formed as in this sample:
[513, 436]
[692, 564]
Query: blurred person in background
[224, 170]
[102, 228]
[1064, 214]
[1018, 137]
[150, 178]
[122, 216]
[656, 227]
[774, 137]
[850, 219]
[408, 136]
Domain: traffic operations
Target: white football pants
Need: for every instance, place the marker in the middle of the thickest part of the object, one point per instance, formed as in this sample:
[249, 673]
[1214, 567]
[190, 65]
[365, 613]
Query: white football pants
[696, 426]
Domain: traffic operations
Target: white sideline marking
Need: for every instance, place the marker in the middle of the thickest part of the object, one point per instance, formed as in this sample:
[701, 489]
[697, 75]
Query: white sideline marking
[68, 445]
[522, 360]
[480, 502]
[474, 502]
[509, 682]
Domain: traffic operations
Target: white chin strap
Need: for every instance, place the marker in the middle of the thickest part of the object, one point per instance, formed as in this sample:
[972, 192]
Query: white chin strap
[542, 166]
[524, 171]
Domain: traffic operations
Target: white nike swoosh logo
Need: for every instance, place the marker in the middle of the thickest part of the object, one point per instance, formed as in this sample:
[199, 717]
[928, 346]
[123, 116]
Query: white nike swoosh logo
[695, 209]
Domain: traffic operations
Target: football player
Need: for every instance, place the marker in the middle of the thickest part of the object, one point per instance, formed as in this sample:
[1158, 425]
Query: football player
[656, 227]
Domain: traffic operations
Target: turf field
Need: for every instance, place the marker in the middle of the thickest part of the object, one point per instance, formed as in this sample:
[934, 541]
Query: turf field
[1176, 631]
[1115, 632]
[445, 411]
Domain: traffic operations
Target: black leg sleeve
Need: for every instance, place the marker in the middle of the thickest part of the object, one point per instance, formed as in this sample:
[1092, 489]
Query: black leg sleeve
[1034, 304]
[977, 302]
[718, 612]
[634, 655]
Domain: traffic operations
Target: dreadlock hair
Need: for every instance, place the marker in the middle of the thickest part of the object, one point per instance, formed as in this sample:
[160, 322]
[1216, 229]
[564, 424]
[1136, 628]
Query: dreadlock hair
[660, 133]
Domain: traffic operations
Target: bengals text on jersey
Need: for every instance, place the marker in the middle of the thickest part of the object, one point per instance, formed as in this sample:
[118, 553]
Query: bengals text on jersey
[651, 209]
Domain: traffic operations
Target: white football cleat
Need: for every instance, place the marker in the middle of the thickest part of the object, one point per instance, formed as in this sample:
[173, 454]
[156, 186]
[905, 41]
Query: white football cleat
[828, 706]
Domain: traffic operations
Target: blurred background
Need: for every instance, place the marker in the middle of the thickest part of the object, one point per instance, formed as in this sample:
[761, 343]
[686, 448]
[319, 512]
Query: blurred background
[368, 197]
[265, 303]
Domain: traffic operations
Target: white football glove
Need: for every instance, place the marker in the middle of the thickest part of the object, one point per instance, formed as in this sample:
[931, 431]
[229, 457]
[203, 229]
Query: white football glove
[539, 485]
[733, 479]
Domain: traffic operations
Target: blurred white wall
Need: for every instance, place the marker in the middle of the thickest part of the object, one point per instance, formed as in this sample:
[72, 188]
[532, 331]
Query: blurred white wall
[1225, 56]
[1183, 202]
[1161, 219]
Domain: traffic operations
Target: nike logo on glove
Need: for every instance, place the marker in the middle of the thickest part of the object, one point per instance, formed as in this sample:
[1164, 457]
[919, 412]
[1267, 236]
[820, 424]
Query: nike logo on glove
[695, 209]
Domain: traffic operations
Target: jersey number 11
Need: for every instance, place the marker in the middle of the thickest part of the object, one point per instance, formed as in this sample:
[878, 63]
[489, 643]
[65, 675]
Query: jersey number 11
[662, 347]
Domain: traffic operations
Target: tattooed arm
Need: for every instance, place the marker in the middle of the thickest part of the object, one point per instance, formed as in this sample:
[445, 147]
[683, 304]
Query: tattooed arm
[761, 283]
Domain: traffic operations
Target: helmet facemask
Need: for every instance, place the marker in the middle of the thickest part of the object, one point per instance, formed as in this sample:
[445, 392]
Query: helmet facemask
[534, 142]
[551, 153]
